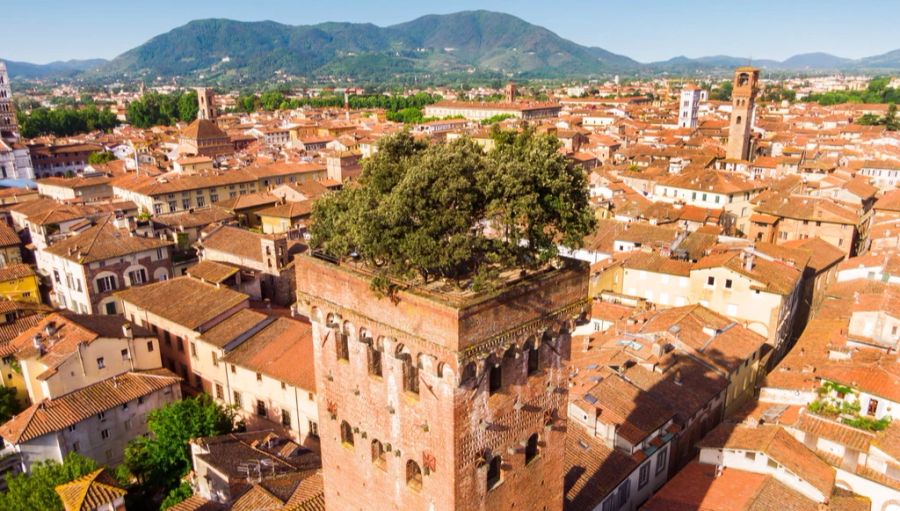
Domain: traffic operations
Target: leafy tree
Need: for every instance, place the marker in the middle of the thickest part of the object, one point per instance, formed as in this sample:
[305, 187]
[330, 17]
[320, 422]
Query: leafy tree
[421, 211]
[65, 121]
[164, 458]
[155, 109]
[535, 196]
[409, 115]
[9, 404]
[181, 492]
[35, 491]
[101, 157]
[723, 92]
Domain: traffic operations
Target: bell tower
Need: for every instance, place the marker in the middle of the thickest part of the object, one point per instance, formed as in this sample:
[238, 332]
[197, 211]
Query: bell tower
[743, 101]
[206, 109]
[9, 125]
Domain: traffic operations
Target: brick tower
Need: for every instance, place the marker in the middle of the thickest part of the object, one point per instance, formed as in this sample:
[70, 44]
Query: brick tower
[9, 125]
[441, 400]
[206, 109]
[743, 100]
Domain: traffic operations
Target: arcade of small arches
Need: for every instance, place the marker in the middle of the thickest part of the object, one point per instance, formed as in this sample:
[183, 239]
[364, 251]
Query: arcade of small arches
[501, 366]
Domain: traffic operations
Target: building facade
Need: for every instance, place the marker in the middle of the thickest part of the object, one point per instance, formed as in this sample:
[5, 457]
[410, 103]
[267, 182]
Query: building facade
[463, 411]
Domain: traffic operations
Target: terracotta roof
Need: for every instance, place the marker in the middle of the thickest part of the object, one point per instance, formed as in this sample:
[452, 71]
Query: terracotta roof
[890, 201]
[195, 218]
[697, 488]
[779, 445]
[104, 241]
[288, 210]
[16, 271]
[91, 491]
[203, 129]
[775, 276]
[593, 470]
[8, 236]
[655, 263]
[282, 350]
[822, 255]
[234, 240]
[211, 271]
[197, 503]
[167, 299]
[51, 415]
[235, 326]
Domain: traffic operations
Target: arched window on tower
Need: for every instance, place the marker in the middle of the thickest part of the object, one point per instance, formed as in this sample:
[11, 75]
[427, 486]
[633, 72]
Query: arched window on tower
[738, 120]
[413, 475]
[495, 376]
[531, 448]
[534, 358]
[378, 455]
[743, 78]
[410, 373]
[494, 475]
[346, 434]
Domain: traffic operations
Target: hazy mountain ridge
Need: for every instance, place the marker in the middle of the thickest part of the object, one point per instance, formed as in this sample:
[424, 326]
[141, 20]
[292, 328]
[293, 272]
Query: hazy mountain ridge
[461, 42]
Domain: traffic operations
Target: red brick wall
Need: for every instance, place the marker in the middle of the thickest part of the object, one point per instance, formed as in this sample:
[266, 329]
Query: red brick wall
[463, 420]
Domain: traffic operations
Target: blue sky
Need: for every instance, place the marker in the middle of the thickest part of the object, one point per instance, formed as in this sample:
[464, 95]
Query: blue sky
[44, 30]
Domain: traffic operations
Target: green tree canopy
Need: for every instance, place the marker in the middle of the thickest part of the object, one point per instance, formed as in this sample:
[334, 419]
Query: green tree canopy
[9, 404]
[35, 491]
[101, 157]
[65, 121]
[422, 210]
[155, 109]
[164, 457]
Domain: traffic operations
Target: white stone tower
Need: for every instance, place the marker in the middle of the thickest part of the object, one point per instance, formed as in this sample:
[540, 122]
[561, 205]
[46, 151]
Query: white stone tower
[9, 126]
[689, 106]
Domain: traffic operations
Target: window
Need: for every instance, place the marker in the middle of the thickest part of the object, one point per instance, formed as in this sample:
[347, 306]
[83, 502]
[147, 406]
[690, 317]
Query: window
[76, 446]
[200, 201]
[495, 378]
[286, 418]
[772, 463]
[56, 277]
[233, 368]
[104, 434]
[610, 503]
[110, 308]
[750, 455]
[258, 376]
[313, 429]
[413, 475]
[728, 283]
[531, 448]
[494, 474]
[180, 343]
[237, 399]
[100, 363]
[71, 428]
[661, 460]
[624, 492]
[215, 359]
[107, 283]
[138, 276]
[220, 392]
[101, 416]
[125, 355]
[710, 281]
[375, 366]
[644, 475]
[342, 346]
[410, 374]
[261, 408]
[193, 349]
[186, 203]
[534, 359]
[378, 455]
[346, 434]
[150, 346]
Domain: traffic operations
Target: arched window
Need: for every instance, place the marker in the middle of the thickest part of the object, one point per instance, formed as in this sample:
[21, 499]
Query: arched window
[468, 373]
[534, 358]
[342, 344]
[743, 78]
[738, 120]
[374, 352]
[378, 455]
[413, 475]
[494, 475]
[531, 448]
[346, 434]
[495, 376]
[410, 373]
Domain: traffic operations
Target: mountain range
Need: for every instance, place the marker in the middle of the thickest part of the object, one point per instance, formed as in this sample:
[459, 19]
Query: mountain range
[464, 43]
